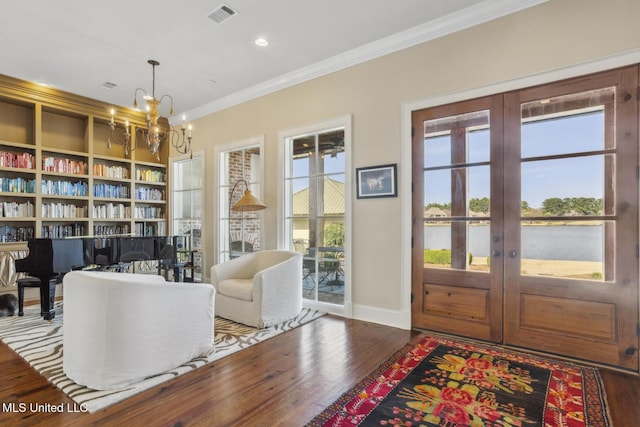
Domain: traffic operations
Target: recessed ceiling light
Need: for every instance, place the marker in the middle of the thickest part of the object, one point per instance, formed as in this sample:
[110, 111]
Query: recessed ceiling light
[261, 42]
[43, 83]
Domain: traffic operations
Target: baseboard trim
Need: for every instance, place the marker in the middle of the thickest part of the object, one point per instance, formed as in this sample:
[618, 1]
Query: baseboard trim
[393, 318]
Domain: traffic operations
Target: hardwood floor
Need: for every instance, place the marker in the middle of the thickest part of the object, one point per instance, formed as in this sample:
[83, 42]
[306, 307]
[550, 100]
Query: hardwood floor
[283, 381]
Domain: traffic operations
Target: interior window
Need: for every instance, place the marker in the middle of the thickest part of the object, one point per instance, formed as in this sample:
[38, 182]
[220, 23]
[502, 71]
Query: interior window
[239, 232]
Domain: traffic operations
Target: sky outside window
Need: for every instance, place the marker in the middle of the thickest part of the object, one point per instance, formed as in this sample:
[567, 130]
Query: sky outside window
[580, 177]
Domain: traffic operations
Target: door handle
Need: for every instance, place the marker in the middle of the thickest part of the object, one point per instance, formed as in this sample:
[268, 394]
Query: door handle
[513, 253]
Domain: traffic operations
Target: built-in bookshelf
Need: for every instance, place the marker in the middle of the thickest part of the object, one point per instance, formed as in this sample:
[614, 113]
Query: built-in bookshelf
[60, 177]
[150, 195]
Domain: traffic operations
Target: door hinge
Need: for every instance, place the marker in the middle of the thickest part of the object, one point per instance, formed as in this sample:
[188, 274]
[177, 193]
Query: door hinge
[413, 129]
[638, 93]
[638, 330]
[412, 299]
[411, 242]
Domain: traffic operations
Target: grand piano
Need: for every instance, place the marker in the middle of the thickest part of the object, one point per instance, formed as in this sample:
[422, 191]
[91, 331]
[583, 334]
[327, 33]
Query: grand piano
[49, 259]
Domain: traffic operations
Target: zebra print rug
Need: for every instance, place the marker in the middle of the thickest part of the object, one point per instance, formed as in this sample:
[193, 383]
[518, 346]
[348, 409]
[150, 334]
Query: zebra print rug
[40, 343]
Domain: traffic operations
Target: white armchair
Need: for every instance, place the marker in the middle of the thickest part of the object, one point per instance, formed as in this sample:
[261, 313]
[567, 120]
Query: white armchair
[120, 328]
[259, 289]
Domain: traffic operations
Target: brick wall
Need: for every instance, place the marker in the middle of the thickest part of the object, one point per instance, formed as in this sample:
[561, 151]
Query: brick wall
[239, 167]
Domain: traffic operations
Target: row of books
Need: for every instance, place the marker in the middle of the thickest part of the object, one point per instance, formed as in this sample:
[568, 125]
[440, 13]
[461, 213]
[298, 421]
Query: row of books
[107, 171]
[17, 210]
[109, 230]
[111, 191]
[62, 231]
[151, 175]
[26, 160]
[143, 193]
[64, 188]
[15, 234]
[10, 159]
[150, 229]
[63, 210]
[20, 234]
[55, 164]
[17, 185]
[112, 211]
[148, 212]
[67, 188]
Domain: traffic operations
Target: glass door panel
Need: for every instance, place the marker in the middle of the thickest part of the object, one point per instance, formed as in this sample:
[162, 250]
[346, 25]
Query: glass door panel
[186, 205]
[457, 234]
[570, 232]
[315, 183]
[566, 164]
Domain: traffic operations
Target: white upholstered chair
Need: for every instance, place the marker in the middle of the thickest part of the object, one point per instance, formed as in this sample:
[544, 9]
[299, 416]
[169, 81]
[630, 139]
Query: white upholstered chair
[120, 328]
[259, 289]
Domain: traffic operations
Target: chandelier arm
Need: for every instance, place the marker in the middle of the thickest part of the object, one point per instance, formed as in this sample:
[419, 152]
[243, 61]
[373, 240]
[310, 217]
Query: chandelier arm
[113, 137]
[135, 96]
[182, 143]
[171, 100]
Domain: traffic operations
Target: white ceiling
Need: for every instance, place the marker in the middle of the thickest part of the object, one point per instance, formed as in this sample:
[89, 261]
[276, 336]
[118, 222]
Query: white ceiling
[78, 45]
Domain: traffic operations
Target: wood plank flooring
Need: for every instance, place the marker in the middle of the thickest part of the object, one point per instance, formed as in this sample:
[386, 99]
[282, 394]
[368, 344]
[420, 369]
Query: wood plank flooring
[284, 381]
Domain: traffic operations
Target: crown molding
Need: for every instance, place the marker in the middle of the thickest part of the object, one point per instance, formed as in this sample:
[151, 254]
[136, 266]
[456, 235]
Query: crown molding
[50, 98]
[466, 18]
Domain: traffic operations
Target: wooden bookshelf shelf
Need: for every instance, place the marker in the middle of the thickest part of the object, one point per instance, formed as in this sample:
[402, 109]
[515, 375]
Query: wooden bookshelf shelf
[54, 156]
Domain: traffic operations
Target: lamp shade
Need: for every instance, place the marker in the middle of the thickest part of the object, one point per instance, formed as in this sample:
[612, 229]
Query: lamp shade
[248, 202]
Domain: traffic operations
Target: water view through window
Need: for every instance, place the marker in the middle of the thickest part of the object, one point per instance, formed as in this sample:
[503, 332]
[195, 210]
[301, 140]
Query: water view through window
[566, 153]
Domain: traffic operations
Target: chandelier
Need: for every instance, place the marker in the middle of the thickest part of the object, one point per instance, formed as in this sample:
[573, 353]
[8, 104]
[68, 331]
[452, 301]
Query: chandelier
[155, 133]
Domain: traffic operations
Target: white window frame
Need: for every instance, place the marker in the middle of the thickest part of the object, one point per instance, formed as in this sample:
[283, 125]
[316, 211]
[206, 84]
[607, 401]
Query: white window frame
[172, 217]
[284, 202]
[253, 142]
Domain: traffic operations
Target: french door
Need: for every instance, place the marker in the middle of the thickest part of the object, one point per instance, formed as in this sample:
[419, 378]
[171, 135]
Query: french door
[526, 218]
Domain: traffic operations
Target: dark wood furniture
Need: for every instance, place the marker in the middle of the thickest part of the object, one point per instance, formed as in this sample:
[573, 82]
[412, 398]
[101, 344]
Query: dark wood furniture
[39, 266]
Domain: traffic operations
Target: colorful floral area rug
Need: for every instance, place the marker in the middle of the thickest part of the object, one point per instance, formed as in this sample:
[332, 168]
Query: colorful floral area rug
[441, 381]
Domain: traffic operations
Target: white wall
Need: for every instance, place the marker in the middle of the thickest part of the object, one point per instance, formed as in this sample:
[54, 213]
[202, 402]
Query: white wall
[556, 39]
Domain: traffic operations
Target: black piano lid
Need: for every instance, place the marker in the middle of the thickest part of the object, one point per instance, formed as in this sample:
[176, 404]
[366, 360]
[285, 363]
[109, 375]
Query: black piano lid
[67, 254]
[39, 261]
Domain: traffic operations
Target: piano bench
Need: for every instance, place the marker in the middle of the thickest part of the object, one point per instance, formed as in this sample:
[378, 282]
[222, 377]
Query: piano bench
[34, 282]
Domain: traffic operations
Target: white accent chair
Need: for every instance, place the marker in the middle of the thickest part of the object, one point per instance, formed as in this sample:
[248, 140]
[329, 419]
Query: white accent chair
[259, 289]
[120, 328]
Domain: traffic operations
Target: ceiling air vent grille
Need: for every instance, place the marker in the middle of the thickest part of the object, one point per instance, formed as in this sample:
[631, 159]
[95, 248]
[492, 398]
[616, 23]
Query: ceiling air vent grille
[221, 14]
[108, 85]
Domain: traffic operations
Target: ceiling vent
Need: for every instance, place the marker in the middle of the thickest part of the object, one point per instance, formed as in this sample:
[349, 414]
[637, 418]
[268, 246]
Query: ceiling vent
[221, 14]
[108, 85]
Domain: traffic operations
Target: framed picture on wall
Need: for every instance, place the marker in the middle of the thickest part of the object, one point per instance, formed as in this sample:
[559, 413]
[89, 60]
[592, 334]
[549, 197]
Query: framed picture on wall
[377, 181]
